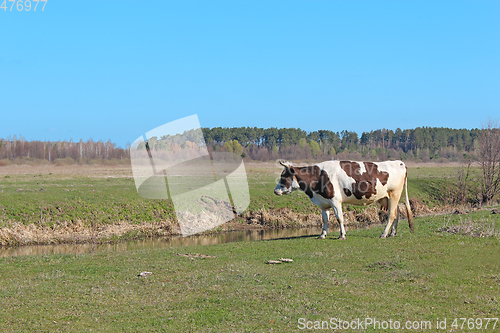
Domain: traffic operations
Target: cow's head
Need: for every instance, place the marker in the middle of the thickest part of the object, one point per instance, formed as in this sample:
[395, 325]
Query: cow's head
[288, 182]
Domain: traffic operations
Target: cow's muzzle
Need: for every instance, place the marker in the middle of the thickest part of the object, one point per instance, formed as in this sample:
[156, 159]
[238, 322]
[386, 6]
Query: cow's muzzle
[278, 191]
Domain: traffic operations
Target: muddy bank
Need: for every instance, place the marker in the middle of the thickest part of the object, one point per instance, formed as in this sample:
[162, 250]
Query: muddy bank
[17, 234]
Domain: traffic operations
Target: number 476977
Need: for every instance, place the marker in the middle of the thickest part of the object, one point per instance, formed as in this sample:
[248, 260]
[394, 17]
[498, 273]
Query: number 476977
[22, 5]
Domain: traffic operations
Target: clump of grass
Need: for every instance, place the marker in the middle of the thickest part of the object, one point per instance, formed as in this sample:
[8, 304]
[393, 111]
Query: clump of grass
[368, 216]
[419, 208]
[470, 227]
[281, 218]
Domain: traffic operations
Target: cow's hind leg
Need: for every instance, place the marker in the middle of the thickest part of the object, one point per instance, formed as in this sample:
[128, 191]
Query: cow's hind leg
[394, 229]
[392, 207]
[325, 214]
[337, 209]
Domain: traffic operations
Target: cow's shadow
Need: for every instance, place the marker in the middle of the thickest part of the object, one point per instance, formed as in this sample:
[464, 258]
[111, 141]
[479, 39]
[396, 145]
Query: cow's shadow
[290, 237]
[328, 238]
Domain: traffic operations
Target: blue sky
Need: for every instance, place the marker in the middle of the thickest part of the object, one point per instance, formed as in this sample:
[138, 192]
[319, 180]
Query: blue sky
[116, 69]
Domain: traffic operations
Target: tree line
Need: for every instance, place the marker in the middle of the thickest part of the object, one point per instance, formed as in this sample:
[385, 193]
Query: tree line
[265, 144]
[52, 150]
[420, 144]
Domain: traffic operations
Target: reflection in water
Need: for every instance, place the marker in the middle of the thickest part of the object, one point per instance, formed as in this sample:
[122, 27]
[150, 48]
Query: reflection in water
[177, 241]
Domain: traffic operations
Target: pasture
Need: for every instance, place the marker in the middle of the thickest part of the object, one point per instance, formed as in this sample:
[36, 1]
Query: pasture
[426, 276]
[447, 269]
[53, 204]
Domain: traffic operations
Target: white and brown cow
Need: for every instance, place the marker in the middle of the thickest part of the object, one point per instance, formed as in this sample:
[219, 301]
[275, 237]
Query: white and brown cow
[332, 183]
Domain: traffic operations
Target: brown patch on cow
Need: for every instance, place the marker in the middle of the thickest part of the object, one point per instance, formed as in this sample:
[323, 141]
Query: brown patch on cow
[364, 183]
[312, 179]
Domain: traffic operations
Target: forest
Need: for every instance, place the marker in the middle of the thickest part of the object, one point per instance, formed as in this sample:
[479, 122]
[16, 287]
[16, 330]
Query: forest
[419, 144]
[19, 149]
[422, 144]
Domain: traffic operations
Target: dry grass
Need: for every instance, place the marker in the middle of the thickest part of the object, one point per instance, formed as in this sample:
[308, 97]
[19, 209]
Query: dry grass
[16, 234]
[98, 171]
[470, 227]
[125, 170]
[287, 218]
[281, 218]
[370, 215]
[68, 232]
[420, 209]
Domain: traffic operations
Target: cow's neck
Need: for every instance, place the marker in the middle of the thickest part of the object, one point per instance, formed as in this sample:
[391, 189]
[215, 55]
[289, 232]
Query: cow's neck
[307, 177]
[312, 179]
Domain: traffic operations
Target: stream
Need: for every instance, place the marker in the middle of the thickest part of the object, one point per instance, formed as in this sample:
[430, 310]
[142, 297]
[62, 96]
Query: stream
[159, 243]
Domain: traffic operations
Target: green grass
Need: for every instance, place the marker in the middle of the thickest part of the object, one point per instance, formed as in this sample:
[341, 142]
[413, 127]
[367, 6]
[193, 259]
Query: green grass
[90, 199]
[431, 184]
[107, 200]
[422, 276]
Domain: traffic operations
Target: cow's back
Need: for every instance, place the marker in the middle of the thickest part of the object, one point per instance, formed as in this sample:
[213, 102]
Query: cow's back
[396, 171]
[362, 183]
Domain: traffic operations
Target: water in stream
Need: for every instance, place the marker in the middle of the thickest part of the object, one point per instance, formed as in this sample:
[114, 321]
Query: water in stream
[177, 241]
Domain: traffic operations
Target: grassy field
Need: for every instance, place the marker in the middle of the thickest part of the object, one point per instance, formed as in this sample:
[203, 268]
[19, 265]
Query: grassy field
[423, 277]
[447, 269]
[53, 204]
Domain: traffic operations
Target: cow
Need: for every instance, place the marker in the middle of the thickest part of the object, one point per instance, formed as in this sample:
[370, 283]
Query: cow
[330, 184]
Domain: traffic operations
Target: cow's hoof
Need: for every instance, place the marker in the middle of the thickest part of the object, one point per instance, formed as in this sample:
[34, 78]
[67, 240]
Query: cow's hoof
[341, 237]
[383, 236]
[322, 237]
[392, 235]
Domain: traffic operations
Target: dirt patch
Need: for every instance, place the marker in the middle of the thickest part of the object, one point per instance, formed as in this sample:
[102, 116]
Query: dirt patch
[196, 255]
[384, 265]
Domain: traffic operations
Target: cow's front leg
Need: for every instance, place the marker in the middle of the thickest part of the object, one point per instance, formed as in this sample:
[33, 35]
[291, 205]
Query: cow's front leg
[325, 214]
[337, 209]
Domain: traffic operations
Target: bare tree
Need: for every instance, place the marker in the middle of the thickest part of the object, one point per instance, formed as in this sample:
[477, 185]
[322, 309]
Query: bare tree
[489, 159]
[461, 194]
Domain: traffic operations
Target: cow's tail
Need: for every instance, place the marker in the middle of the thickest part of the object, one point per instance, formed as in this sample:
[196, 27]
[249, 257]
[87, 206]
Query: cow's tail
[408, 207]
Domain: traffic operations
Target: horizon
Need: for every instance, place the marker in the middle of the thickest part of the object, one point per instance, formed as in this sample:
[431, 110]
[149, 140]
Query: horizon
[113, 71]
[18, 138]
